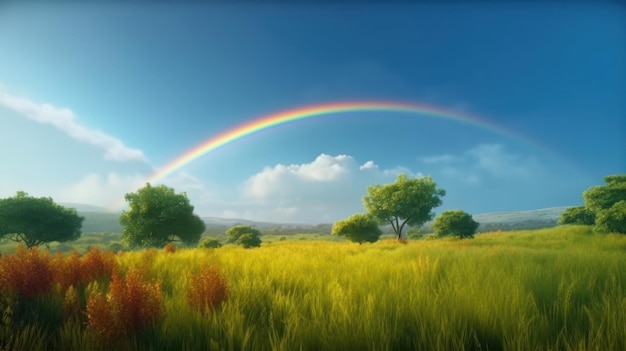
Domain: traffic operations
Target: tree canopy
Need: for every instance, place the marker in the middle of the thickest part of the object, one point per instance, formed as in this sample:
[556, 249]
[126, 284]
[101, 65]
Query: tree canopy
[577, 215]
[602, 197]
[157, 216]
[455, 223]
[613, 219]
[244, 235]
[405, 202]
[604, 207]
[35, 221]
[358, 228]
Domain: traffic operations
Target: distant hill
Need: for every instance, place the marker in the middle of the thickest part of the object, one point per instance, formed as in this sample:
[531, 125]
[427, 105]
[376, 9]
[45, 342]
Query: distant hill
[100, 221]
[535, 219]
[83, 207]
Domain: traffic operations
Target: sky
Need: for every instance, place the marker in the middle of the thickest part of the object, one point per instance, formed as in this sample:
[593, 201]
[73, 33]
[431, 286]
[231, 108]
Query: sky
[96, 98]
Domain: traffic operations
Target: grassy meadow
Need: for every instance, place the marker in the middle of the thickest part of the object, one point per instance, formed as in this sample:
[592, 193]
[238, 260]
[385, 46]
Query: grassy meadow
[562, 288]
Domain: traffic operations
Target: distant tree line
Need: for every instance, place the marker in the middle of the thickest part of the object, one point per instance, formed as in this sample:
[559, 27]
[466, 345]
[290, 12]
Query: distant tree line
[158, 216]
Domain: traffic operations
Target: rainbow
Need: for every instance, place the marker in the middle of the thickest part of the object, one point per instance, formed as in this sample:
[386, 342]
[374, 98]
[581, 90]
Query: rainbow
[293, 115]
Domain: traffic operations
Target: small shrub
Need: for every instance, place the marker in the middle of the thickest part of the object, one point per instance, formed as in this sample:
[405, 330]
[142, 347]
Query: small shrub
[67, 269]
[210, 243]
[72, 309]
[130, 305]
[169, 248]
[27, 272]
[97, 264]
[207, 289]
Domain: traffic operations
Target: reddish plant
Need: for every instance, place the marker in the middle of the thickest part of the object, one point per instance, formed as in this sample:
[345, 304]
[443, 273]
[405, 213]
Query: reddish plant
[100, 319]
[169, 248]
[67, 271]
[96, 264]
[27, 272]
[130, 305]
[207, 289]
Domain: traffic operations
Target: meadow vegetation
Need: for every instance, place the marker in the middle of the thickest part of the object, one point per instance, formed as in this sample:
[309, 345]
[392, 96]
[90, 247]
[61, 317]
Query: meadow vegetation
[562, 288]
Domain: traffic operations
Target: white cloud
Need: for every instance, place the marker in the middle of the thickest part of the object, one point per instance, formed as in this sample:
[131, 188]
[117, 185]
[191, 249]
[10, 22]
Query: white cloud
[368, 165]
[282, 179]
[99, 190]
[65, 120]
[326, 189]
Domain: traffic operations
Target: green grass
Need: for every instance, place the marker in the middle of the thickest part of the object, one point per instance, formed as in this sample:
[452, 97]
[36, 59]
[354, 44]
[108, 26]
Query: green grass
[554, 289]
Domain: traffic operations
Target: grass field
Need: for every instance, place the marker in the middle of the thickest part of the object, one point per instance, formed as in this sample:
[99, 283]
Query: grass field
[555, 289]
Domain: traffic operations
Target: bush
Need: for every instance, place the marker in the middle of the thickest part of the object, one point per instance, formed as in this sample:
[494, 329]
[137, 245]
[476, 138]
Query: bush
[577, 215]
[130, 305]
[249, 240]
[27, 272]
[358, 228]
[455, 223]
[244, 235]
[169, 248]
[97, 264]
[210, 243]
[207, 289]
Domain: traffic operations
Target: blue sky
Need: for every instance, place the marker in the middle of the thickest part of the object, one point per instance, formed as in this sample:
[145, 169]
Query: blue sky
[95, 97]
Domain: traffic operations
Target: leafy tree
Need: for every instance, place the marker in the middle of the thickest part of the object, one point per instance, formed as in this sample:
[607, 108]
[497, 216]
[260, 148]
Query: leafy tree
[405, 202]
[603, 201]
[577, 215]
[244, 235]
[612, 220]
[455, 223]
[35, 221]
[600, 198]
[210, 243]
[157, 216]
[249, 240]
[358, 228]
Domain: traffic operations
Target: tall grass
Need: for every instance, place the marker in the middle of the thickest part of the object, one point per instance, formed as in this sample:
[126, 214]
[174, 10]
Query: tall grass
[557, 289]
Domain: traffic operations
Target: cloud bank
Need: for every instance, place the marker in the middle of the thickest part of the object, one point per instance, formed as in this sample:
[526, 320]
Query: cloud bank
[65, 120]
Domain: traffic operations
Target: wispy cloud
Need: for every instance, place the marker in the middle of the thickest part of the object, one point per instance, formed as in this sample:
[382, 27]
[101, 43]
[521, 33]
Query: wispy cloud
[99, 190]
[65, 120]
[483, 161]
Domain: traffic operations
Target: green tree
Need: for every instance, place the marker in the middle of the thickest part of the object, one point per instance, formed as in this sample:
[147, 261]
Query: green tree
[405, 202]
[210, 243]
[249, 240]
[455, 223]
[603, 201]
[358, 228]
[600, 198]
[612, 220]
[577, 215]
[244, 235]
[35, 221]
[157, 216]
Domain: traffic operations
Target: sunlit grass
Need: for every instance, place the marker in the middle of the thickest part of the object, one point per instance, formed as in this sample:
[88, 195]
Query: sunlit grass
[554, 289]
